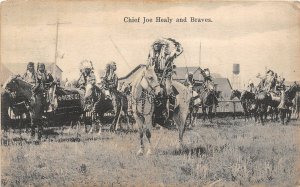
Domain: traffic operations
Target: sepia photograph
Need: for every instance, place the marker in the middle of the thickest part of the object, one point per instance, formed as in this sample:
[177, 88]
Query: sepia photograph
[150, 93]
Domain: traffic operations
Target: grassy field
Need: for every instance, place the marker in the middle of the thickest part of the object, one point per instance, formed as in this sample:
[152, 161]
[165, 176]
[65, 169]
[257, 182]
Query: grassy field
[225, 153]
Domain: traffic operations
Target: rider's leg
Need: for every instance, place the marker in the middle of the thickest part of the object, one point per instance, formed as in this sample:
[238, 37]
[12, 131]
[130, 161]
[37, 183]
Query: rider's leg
[172, 100]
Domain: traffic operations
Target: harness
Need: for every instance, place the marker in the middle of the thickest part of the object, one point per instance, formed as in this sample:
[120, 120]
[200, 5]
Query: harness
[145, 96]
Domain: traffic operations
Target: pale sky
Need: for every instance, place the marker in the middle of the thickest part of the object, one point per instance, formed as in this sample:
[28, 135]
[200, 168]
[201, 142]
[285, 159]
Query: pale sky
[254, 35]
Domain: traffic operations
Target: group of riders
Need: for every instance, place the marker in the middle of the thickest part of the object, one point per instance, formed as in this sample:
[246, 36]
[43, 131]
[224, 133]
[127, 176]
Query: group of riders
[270, 83]
[162, 54]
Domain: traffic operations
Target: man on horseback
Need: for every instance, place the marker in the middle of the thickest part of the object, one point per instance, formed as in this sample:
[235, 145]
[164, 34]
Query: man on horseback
[209, 83]
[87, 74]
[110, 80]
[162, 54]
[280, 84]
[44, 81]
[190, 81]
[267, 82]
[250, 87]
[30, 75]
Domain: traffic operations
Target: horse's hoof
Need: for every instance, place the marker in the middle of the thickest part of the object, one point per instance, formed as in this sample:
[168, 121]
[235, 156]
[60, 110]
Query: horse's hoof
[140, 152]
[149, 152]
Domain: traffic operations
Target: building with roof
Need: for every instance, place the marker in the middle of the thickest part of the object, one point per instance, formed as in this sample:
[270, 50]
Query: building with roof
[222, 84]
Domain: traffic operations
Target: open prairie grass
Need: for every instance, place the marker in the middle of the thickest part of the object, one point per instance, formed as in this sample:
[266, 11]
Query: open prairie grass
[225, 153]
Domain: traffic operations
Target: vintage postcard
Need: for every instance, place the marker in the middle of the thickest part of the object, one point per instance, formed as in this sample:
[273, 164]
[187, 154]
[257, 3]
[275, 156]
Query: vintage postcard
[150, 93]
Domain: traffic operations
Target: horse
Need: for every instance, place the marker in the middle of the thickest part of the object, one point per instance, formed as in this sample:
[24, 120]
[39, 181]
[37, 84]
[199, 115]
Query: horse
[296, 106]
[264, 99]
[145, 88]
[286, 103]
[35, 103]
[99, 105]
[22, 90]
[247, 101]
[207, 96]
[194, 107]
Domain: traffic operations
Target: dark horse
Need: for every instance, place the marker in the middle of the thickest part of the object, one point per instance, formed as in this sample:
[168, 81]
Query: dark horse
[247, 101]
[99, 105]
[282, 103]
[22, 90]
[36, 105]
[287, 102]
[208, 101]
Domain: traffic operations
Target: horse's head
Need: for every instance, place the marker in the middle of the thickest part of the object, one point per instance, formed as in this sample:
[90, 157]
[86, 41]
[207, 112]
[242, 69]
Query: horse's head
[150, 81]
[291, 92]
[17, 87]
[12, 84]
[126, 89]
[235, 93]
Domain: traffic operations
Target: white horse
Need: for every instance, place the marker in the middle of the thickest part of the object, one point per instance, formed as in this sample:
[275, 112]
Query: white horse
[144, 89]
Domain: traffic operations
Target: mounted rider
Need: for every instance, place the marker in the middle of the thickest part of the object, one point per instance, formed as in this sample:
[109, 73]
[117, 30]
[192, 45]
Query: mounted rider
[110, 80]
[209, 84]
[280, 84]
[87, 75]
[161, 55]
[267, 82]
[30, 76]
[250, 87]
[190, 81]
[44, 85]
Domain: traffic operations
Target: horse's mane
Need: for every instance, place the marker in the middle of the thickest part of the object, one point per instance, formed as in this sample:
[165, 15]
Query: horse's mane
[137, 80]
[17, 78]
[138, 76]
[27, 83]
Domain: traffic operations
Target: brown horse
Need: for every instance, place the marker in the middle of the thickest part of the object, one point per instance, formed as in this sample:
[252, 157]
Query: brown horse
[264, 99]
[286, 102]
[36, 105]
[23, 89]
[99, 105]
[208, 101]
[247, 101]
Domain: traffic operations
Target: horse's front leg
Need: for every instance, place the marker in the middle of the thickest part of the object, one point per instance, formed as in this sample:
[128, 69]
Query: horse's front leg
[204, 112]
[93, 117]
[282, 115]
[148, 122]
[32, 126]
[142, 146]
[140, 122]
[40, 129]
[210, 114]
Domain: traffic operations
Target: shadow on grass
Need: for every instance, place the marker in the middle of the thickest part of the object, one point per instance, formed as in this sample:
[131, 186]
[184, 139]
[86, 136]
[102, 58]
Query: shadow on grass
[186, 150]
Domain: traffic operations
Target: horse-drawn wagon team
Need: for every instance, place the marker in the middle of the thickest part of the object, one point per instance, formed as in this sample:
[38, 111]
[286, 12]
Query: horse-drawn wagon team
[153, 96]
